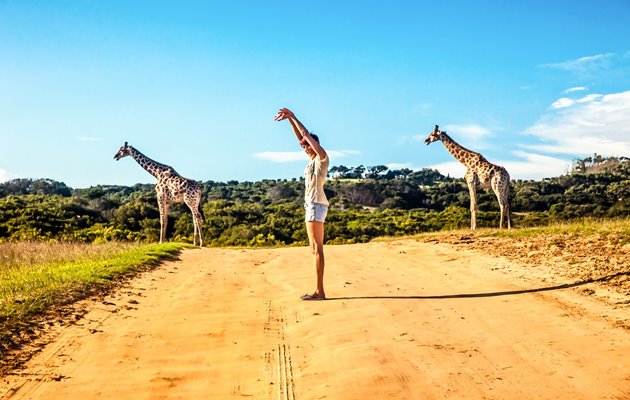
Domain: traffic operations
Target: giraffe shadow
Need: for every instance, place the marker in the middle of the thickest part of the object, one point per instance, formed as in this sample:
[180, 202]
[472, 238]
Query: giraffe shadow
[488, 294]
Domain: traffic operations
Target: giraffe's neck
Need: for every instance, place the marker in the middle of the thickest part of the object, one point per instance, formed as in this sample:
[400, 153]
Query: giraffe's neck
[151, 166]
[462, 154]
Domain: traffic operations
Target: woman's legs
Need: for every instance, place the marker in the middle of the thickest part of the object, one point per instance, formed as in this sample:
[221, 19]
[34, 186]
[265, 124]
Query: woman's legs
[315, 230]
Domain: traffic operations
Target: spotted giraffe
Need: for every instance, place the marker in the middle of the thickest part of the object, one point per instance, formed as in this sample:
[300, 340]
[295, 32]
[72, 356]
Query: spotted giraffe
[479, 172]
[171, 188]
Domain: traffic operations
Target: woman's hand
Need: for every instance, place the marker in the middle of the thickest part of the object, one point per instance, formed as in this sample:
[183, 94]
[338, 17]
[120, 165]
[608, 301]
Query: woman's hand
[283, 114]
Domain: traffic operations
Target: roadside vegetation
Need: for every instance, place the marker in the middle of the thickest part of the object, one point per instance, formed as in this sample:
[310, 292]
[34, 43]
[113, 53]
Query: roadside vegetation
[589, 250]
[37, 277]
[615, 229]
[365, 203]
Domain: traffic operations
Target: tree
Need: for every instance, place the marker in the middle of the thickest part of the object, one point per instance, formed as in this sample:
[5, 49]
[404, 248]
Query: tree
[342, 169]
[35, 186]
[357, 172]
[375, 171]
[270, 212]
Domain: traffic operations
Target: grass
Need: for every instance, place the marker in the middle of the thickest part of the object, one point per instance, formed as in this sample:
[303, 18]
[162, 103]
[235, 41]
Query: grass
[35, 277]
[614, 229]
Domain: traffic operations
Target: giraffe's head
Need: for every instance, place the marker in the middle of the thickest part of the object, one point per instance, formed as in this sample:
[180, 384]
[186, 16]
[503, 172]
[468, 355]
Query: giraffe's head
[434, 135]
[124, 151]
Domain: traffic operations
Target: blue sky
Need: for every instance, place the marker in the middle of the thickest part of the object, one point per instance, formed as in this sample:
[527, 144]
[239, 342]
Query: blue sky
[195, 85]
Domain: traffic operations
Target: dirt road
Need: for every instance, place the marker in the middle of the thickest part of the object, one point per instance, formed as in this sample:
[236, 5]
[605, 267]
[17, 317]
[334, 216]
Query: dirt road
[404, 320]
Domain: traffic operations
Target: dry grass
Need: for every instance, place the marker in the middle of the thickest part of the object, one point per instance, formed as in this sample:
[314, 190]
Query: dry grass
[586, 250]
[25, 255]
[38, 277]
[616, 229]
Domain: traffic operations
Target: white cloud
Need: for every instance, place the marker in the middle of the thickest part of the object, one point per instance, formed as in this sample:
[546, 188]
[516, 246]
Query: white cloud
[565, 102]
[290, 156]
[536, 166]
[583, 64]
[6, 176]
[454, 169]
[562, 103]
[575, 89]
[471, 131]
[593, 124]
[589, 98]
[528, 166]
[470, 135]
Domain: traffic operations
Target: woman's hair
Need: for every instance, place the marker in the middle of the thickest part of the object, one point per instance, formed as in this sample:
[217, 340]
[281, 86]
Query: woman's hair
[304, 142]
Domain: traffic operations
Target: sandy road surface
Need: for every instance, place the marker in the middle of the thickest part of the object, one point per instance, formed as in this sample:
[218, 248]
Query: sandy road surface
[405, 320]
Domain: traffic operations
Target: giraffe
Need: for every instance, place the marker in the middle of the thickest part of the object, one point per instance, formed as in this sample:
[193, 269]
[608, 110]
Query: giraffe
[479, 172]
[171, 188]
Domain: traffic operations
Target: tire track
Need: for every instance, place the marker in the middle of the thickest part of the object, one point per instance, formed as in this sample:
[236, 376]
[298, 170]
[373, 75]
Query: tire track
[279, 361]
[285, 373]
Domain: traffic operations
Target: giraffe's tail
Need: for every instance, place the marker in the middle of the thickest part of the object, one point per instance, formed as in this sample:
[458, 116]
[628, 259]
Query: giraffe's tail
[203, 199]
[203, 217]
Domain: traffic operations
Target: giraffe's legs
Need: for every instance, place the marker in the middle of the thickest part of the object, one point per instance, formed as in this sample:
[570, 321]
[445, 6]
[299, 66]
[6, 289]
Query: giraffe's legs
[163, 207]
[505, 200]
[502, 208]
[197, 219]
[194, 217]
[504, 205]
[501, 188]
[193, 203]
[471, 180]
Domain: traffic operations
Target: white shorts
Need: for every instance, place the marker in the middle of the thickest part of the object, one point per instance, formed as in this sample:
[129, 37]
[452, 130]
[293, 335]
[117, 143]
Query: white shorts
[315, 212]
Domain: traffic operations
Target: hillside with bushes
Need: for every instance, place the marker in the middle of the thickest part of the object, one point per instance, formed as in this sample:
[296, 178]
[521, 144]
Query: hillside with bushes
[365, 203]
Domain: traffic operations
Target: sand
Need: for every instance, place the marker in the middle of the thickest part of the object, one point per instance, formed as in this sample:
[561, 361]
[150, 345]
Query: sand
[404, 320]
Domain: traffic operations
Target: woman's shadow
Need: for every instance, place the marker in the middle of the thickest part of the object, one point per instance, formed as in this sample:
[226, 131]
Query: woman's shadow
[488, 294]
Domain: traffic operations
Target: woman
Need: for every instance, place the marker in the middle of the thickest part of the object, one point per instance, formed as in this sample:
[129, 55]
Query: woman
[316, 204]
